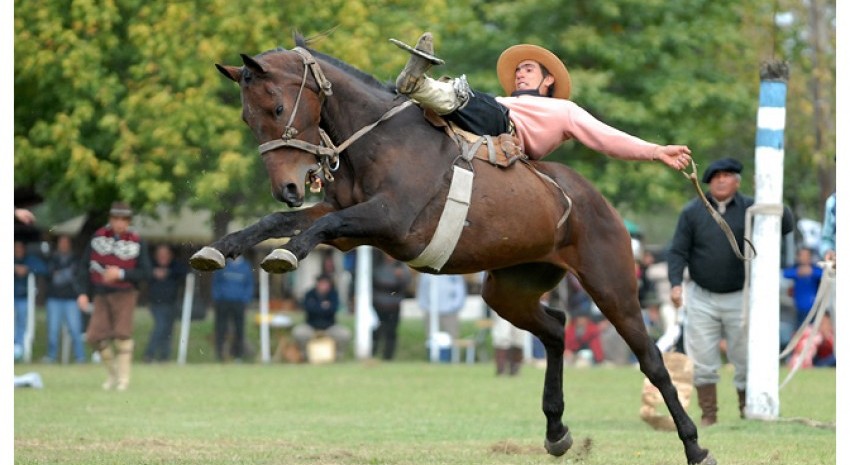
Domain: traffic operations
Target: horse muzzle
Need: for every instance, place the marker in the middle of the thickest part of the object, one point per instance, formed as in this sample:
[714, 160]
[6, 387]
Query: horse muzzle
[290, 194]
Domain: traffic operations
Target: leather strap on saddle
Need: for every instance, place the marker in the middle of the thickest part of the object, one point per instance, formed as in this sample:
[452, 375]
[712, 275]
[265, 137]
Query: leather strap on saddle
[450, 227]
[502, 150]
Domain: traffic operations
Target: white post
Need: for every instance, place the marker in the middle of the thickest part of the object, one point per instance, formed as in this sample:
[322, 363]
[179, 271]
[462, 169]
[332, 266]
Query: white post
[186, 318]
[265, 349]
[29, 334]
[763, 340]
[434, 320]
[363, 306]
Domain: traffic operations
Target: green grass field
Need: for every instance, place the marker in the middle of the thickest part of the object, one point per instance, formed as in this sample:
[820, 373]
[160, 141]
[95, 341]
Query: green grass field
[406, 412]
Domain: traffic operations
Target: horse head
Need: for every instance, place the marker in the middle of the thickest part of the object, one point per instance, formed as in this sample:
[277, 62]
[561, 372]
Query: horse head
[281, 103]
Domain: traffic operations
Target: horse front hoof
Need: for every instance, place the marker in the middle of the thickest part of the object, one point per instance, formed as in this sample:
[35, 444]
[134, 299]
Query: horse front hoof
[561, 446]
[207, 259]
[280, 261]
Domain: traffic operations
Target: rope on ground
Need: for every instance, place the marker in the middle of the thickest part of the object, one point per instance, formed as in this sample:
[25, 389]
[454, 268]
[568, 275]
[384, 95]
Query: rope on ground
[805, 421]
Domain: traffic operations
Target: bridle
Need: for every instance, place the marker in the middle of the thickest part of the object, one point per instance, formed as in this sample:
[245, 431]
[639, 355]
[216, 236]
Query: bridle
[327, 154]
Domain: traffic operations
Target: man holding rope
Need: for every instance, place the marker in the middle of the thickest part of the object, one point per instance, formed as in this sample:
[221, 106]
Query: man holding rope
[715, 292]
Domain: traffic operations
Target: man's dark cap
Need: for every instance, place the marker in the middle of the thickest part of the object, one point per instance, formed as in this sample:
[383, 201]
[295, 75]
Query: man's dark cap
[729, 165]
[120, 210]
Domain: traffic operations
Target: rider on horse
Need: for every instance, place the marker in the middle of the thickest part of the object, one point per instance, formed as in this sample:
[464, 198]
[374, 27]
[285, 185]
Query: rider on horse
[529, 74]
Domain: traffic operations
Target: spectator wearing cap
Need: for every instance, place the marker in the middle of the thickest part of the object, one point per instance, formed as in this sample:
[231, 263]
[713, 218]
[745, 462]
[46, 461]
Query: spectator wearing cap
[114, 263]
[714, 293]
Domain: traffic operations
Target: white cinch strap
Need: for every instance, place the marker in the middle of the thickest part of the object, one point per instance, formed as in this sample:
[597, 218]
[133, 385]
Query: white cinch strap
[438, 251]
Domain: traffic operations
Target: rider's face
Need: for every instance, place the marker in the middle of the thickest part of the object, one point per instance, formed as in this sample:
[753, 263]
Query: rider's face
[529, 76]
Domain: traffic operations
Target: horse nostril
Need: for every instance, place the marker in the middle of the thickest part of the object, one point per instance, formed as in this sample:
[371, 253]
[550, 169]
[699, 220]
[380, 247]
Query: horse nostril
[289, 195]
[290, 190]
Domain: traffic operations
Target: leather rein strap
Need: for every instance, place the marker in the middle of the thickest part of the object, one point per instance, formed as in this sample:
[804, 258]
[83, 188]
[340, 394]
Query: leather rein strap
[326, 154]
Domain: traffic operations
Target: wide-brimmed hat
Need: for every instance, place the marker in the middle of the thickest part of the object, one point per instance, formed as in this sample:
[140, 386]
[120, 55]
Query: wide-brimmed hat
[510, 58]
[120, 210]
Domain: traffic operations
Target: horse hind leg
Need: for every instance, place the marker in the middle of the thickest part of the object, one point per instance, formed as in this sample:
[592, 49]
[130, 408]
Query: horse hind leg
[514, 294]
[605, 268]
[562, 442]
[620, 305]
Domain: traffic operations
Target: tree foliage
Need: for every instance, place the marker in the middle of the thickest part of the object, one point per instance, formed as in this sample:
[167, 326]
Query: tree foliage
[119, 98]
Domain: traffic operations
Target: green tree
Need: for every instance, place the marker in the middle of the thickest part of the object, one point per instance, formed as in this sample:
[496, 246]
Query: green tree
[120, 98]
[805, 38]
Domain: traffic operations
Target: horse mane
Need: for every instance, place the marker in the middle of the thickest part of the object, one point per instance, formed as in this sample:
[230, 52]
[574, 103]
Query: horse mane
[363, 77]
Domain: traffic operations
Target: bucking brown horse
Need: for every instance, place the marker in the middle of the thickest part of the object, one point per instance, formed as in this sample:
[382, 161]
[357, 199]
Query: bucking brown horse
[388, 175]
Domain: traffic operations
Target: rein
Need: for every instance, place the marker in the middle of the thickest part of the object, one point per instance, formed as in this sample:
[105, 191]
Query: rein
[327, 154]
[730, 236]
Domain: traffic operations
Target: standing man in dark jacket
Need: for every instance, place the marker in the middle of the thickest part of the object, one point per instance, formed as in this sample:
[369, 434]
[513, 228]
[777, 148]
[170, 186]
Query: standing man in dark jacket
[390, 280]
[61, 302]
[26, 263]
[163, 291]
[232, 289]
[714, 294]
[114, 263]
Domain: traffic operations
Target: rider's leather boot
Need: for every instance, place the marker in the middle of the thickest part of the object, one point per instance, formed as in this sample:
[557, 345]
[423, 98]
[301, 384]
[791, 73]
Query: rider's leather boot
[417, 65]
[443, 96]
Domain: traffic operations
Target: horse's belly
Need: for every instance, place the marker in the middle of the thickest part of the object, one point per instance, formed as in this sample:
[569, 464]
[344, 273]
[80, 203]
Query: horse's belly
[509, 222]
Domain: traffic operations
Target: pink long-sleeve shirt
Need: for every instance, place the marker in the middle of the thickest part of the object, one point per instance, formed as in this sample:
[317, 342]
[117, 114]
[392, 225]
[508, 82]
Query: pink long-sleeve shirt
[543, 123]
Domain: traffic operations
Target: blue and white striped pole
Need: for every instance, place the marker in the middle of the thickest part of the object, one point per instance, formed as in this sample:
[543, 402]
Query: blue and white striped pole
[762, 394]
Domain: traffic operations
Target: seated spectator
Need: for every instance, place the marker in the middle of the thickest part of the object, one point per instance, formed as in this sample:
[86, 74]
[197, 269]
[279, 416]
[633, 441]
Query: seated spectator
[652, 317]
[320, 307]
[582, 335]
[821, 353]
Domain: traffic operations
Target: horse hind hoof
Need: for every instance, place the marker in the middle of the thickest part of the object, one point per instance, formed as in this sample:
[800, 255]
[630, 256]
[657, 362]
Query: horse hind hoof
[561, 446]
[280, 261]
[708, 460]
[207, 259]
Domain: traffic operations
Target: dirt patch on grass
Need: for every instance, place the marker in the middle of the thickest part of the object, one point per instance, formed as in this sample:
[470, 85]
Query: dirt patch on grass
[508, 447]
[578, 452]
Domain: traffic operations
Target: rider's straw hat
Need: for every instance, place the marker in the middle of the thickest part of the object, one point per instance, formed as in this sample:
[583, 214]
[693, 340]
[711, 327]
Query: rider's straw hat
[510, 58]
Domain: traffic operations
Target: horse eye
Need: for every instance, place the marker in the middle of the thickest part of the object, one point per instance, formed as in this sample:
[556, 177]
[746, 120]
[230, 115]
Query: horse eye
[278, 110]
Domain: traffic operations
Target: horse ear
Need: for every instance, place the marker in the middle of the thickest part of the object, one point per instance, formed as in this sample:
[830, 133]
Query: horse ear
[252, 64]
[230, 72]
